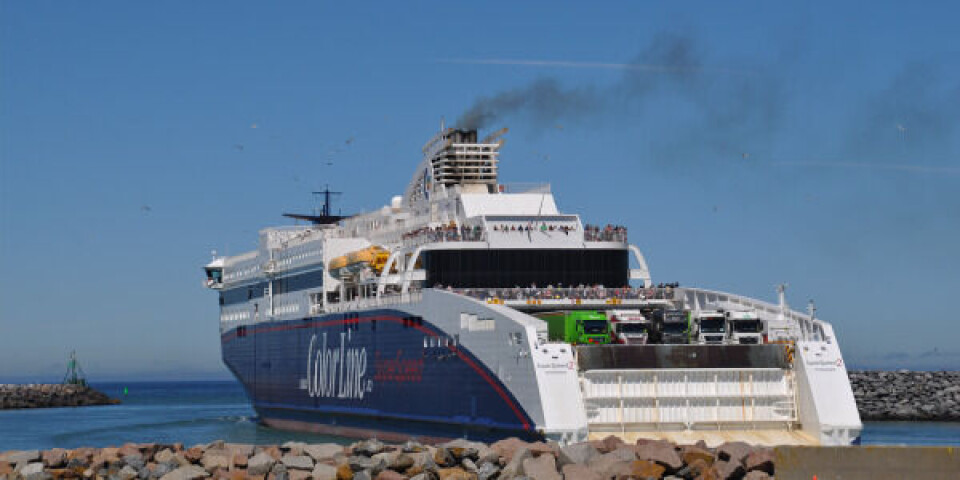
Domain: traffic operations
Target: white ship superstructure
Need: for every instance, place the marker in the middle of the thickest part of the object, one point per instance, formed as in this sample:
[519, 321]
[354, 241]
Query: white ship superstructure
[433, 303]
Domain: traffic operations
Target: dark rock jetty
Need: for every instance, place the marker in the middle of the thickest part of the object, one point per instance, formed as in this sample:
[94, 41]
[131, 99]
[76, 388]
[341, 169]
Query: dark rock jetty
[51, 395]
[509, 459]
[906, 395]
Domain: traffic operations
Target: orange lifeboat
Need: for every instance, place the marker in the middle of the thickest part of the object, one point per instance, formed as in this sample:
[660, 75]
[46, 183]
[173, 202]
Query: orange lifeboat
[374, 257]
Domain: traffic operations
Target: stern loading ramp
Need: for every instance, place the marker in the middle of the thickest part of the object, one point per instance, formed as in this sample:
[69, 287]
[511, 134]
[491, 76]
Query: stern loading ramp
[685, 393]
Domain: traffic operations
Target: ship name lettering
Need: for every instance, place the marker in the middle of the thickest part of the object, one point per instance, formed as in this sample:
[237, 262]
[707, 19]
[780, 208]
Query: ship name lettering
[336, 371]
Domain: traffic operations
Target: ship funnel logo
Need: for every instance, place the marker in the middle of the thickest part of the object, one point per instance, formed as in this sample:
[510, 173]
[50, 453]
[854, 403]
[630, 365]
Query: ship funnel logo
[337, 371]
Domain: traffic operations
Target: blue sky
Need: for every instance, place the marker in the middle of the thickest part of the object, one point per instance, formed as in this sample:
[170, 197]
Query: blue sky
[744, 145]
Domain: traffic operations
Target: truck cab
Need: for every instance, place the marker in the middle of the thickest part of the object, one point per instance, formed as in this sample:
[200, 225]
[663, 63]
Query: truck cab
[745, 328]
[673, 325]
[629, 327]
[712, 327]
[577, 327]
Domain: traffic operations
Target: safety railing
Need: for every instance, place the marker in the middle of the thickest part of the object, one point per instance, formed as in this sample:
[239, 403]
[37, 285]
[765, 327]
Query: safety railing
[571, 293]
[373, 302]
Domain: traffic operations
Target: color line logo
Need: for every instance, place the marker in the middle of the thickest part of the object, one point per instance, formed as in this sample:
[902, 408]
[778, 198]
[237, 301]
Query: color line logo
[337, 371]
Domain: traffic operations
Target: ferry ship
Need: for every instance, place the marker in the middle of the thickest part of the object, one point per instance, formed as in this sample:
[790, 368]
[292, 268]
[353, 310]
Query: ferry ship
[426, 319]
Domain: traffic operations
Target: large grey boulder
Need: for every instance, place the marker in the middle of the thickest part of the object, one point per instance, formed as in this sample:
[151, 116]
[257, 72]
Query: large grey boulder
[127, 473]
[362, 475]
[624, 452]
[444, 458]
[610, 465]
[577, 453]
[323, 471]
[162, 469]
[164, 456]
[401, 462]
[514, 468]
[487, 470]
[189, 472]
[260, 464]
[299, 462]
[20, 456]
[214, 459]
[663, 453]
[734, 451]
[423, 460]
[727, 469]
[244, 449]
[543, 467]
[369, 447]
[32, 471]
[580, 472]
[322, 451]
[424, 476]
[358, 463]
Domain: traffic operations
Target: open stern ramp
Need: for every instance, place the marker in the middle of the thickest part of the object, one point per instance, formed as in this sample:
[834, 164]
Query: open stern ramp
[693, 391]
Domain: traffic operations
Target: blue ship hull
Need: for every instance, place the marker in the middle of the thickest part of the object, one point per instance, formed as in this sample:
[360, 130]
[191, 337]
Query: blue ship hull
[379, 372]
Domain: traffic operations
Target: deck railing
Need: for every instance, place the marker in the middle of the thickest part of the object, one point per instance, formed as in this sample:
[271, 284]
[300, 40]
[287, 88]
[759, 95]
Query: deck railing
[572, 293]
[443, 234]
[371, 302]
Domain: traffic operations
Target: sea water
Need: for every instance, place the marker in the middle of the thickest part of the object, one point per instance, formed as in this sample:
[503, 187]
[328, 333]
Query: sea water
[163, 412]
[201, 412]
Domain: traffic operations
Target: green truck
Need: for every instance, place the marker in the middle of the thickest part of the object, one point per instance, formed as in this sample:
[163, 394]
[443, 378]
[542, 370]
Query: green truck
[577, 326]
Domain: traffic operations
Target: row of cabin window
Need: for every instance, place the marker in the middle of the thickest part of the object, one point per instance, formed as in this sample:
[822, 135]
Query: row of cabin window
[289, 284]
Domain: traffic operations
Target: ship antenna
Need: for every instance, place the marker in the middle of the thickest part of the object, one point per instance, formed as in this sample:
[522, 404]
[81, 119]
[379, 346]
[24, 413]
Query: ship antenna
[443, 123]
[325, 209]
[782, 294]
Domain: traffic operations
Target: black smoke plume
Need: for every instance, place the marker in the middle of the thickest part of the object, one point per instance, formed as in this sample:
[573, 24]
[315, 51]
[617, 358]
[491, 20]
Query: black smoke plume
[726, 100]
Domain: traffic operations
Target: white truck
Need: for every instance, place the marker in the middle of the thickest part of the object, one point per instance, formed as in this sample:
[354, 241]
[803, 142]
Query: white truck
[712, 327]
[630, 327]
[745, 327]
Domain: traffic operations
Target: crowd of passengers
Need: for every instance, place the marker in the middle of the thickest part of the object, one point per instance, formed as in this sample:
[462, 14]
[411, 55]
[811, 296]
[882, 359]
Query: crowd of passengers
[582, 292]
[452, 233]
[532, 228]
[446, 233]
[610, 233]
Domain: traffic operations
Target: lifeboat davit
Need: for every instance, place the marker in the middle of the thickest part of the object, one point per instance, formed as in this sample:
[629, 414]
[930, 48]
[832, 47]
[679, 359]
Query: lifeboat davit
[374, 257]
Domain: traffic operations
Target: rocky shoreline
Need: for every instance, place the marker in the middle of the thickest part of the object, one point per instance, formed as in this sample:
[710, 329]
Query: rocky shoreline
[906, 395]
[509, 459]
[51, 395]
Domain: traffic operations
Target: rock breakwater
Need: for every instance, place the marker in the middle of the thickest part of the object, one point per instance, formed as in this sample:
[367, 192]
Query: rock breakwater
[906, 395]
[51, 395]
[509, 459]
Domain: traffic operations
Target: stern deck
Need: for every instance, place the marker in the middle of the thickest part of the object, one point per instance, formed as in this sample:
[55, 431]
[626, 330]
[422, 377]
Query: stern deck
[686, 393]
